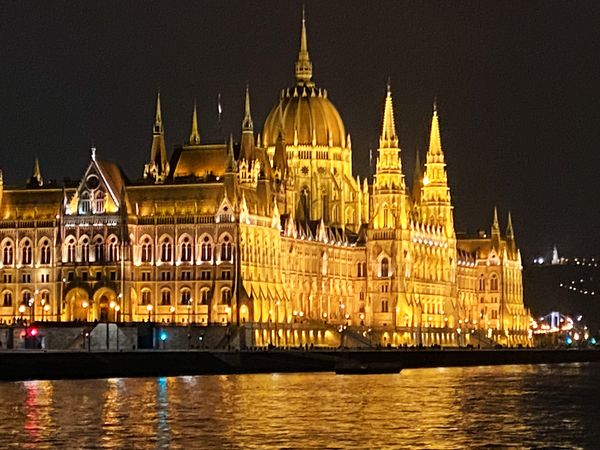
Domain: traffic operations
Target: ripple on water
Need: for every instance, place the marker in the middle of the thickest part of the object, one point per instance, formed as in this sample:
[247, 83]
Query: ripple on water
[480, 407]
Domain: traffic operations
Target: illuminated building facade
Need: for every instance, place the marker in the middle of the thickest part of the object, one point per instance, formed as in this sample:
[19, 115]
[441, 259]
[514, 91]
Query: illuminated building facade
[274, 234]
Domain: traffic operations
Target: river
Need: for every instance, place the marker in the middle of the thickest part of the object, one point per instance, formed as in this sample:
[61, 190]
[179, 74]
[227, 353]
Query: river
[479, 407]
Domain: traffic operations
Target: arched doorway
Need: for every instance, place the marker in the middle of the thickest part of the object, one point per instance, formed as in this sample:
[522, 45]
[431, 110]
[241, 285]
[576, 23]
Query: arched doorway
[78, 302]
[107, 306]
[244, 314]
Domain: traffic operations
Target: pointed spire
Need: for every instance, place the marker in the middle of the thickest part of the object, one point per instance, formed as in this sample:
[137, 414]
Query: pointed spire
[158, 126]
[194, 135]
[247, 124]
[230, 165]
[417, 178]
[509, 228]
[495, 223]
[303, 64]
[36, 179]
[388, 137]
[435, 142]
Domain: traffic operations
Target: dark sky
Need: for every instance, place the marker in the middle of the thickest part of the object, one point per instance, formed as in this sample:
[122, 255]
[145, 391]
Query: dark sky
[517, 85]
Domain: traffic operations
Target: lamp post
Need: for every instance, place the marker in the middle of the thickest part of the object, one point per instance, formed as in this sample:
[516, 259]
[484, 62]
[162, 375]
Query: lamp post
[22, 311]
[172, 310]
[117, 309]
[85, 304]
[149, 308]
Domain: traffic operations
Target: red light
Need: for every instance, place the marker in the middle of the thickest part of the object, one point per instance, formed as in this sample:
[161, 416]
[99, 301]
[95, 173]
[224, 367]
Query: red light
[33, 332]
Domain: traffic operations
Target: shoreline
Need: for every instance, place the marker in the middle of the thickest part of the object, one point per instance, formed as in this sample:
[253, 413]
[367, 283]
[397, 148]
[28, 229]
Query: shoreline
[20, 365]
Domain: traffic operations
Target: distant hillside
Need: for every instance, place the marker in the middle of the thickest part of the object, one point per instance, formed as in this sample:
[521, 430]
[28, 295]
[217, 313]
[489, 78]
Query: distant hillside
[543, 292]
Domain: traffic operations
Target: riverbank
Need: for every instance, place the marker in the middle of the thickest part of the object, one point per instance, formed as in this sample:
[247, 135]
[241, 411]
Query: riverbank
[29, 365]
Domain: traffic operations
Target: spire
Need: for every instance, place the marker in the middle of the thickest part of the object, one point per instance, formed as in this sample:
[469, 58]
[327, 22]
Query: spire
[36, 179]
[247, 124]
[510, 234]
[303, 64]
[435, 142]
[157, 168]
[388, 137]
[194, 135]
[230, 165]
[158, 126]
[495, 225]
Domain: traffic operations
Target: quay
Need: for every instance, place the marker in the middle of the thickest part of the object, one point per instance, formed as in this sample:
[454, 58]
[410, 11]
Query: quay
[81, 364]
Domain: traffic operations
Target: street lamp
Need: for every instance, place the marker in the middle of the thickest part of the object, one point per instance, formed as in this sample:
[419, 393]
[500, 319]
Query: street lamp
[149, 308]
[172, 310]
[22, 311]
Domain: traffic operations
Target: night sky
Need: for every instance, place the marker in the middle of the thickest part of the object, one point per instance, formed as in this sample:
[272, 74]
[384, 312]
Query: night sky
[517, 85]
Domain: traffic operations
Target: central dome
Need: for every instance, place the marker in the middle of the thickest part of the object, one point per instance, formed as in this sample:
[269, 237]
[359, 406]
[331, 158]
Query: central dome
[305, 115]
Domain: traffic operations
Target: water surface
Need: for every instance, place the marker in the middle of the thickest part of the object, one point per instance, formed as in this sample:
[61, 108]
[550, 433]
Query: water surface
[553, 406]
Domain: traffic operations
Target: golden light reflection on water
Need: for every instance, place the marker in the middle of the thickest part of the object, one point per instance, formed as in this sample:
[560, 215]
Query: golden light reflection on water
[520, 406]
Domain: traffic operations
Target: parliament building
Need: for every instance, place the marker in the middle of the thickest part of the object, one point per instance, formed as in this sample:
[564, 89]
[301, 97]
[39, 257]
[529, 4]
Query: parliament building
[271, 235]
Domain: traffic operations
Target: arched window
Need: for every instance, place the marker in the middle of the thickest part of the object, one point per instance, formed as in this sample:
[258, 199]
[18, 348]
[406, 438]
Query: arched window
[305, 203]
[7, 299]
[385, 267]
[113, 249]
[7, 253]
[186, 250]
[165, 298]
[45, 256]
[85, 203]
[26, 298]
[494, 283]
[359, 272]
[146, 255]
[99, 202]
[206, 253]
[226, 249]
[26, 252]
[482, 283]
[186, 297]
[166, 250]
[71, 250]
[204, 296]
[146, 297]
[226, 296]
[99, 249]
[384, 306]
[85, 250]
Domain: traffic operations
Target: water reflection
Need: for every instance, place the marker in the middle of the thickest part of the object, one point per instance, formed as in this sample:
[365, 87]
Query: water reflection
[520, 406]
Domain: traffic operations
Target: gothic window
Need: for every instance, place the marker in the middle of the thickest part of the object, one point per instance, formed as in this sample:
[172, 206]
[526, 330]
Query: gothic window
[386, 214]
[226, 296]
[85, 250]
[186, 250]
[45, 297]
[206, 253]
[7, 253]
[494, 283]
[385, 267]
[146, 297]
[26, 298]
[85, 203]
[99, 202]
[7, 299]
[113, 249]
[99, 250]
[45, 255]
[186, 297]
[226, 249]
[204, 297]
[481, 283]
[384, 306]
[146, 250]
[26, 252]
[71, 251]
[165, 298]
[359, 270]
[166, 250]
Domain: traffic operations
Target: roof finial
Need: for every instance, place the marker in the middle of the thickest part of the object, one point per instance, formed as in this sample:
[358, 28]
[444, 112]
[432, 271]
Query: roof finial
[389, 86]
[435, 153]
[303, 64]
[93, 151]
[36, 178]
[495, 224]
[195, 134]
[435, 109]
